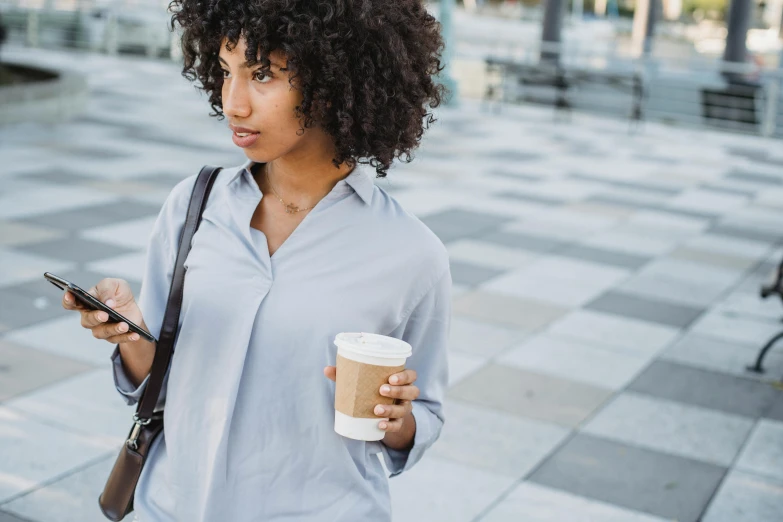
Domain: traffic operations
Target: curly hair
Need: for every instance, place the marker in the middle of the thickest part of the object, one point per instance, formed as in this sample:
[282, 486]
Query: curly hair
[366, 68]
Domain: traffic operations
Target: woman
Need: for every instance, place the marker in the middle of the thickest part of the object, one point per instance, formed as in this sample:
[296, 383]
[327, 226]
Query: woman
[295, 246]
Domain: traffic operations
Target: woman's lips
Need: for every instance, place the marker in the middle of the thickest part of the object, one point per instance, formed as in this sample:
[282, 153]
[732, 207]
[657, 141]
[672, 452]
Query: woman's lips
[244, 140]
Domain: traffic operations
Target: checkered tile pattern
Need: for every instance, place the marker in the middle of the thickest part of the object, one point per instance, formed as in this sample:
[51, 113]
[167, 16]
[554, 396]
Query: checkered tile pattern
[605, 306]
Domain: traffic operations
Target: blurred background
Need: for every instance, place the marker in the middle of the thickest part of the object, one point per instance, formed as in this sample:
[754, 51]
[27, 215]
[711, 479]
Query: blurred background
[607, 177]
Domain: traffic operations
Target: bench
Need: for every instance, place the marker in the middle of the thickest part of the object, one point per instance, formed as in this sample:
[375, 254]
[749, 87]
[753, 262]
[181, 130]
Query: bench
[519, 80]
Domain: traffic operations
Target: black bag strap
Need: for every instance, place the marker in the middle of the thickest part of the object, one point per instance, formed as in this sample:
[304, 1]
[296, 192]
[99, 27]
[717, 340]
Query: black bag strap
[168, 331]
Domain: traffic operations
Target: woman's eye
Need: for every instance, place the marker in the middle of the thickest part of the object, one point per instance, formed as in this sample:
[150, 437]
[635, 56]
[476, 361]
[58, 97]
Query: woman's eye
[225, 73]
[262, 77]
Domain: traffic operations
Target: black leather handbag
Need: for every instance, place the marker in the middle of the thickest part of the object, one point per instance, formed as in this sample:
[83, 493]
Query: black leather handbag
[116, 501]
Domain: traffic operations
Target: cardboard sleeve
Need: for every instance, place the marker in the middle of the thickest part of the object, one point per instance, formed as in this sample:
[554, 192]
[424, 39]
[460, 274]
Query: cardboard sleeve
[358, 387]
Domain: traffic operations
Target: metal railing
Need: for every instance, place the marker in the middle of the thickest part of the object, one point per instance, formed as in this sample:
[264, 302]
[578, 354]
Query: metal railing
[680, 90]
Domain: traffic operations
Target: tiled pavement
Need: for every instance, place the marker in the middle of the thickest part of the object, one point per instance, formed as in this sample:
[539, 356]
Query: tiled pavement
[606, 304]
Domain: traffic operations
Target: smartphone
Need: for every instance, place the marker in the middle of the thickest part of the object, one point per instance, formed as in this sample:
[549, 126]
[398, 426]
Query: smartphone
[89, 301]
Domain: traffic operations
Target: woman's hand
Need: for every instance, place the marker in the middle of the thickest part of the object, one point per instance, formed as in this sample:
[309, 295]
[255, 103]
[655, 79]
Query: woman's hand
[116, 294]
[401, 426]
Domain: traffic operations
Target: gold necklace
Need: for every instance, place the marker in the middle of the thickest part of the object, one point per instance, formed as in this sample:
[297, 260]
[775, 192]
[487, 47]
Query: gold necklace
[290, 208]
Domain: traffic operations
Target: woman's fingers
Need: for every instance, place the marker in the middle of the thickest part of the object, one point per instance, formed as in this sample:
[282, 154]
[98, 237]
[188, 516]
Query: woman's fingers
[105, 331]
[391, 426]
[407, 393]
[393, 411]
[93, 318]
[124, 338]
[70, 302]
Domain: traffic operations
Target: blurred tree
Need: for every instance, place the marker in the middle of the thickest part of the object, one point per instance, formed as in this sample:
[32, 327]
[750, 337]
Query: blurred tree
[715, 9]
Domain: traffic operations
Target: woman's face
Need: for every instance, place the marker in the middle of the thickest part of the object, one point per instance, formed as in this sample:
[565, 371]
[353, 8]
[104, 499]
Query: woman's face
[262, 103]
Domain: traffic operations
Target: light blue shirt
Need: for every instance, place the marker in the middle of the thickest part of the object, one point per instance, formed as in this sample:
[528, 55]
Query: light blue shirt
[249, 416]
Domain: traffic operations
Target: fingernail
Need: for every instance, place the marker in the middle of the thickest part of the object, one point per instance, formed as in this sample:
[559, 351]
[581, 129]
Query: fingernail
[394, 379]
[385, 389]
[103, 317]
[67, 298]
[123, 327]
[382, 425]
[379, 410]
[134, 337]
[110, 303]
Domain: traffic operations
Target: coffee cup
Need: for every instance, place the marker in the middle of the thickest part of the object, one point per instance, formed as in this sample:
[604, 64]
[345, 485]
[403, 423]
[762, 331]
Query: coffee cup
[365, 362]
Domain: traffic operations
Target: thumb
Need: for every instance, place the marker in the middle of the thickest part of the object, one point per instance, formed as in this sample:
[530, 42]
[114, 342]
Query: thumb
[110, 292]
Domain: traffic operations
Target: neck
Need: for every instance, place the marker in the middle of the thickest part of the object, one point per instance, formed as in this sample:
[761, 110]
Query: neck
[300, 183]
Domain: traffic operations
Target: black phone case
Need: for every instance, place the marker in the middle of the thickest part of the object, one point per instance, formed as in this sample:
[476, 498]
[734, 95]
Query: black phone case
[94, 304]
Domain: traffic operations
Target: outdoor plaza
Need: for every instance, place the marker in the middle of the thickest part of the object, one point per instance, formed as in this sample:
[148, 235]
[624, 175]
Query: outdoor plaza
[606, 305]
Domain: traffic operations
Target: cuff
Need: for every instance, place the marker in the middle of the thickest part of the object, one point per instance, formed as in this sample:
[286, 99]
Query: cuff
[428, 427]
[122, 382]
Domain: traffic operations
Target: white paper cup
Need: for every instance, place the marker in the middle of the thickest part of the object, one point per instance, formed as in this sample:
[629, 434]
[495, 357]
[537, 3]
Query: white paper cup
[366, 349]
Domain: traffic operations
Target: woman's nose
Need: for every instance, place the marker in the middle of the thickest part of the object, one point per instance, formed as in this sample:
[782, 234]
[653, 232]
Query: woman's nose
[236, 102]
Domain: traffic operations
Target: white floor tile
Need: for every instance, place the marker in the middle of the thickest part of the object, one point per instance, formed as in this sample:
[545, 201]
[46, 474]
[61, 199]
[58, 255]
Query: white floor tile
[575, 360]
[489, 255]
[672, 427]
[613, 332]
[461, 365]
[533, 503]
[493, 441]
[436, 489]
[87, 403]
[66, 337]
[19, 267]
[32, 452]
[743, 497]
[128, 234]
[478, 338]
[73, 498]
[763, 453]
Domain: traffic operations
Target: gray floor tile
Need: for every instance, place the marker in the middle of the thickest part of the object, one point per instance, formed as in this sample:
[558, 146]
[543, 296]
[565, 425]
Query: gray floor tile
[732, 191]
[646, 309]
[24, 369]
[718, 391]
[642, 187]
[635, 478]
[94, 215]
[775, 411]
[513, 312]
[60, 177]
[523, 241]
[754, 177]
[607, 257]
[458, 223]
[8, 517]
[20, 310]
[608, 199]
[510, 155]
[532, 395]
[744, 233]
[530, 198]
[75, 249]
[713, 258]
[469, 274]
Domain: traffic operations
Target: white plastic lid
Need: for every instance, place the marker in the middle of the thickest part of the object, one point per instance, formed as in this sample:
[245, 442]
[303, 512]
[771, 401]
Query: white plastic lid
[373, 345]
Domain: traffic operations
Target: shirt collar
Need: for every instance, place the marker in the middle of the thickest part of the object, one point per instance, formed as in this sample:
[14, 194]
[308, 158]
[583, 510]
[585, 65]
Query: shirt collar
[358, 180]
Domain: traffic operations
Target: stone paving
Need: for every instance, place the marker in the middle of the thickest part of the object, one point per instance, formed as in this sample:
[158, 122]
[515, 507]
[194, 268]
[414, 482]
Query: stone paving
[605, 305]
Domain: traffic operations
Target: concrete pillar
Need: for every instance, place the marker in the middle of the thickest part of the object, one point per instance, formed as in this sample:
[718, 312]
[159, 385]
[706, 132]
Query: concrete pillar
[447, 32]
[737, 27]
[599, 8]
[551, 33]
[644, 17]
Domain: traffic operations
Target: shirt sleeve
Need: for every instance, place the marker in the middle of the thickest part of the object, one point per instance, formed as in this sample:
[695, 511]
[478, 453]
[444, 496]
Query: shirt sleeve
[427, 331]
[158, 272]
